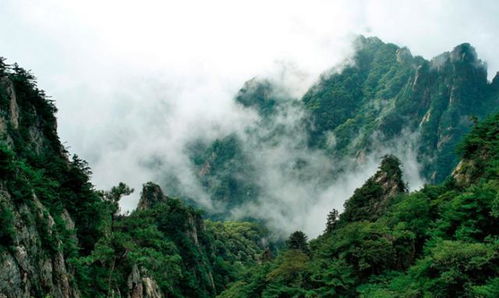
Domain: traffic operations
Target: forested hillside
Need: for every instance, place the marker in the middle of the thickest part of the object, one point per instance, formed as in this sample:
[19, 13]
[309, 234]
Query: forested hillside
[60, 237]
[441, 241]
[382, 101]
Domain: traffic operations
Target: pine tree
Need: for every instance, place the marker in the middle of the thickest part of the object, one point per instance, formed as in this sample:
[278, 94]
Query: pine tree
[298, 240]
[332, 221]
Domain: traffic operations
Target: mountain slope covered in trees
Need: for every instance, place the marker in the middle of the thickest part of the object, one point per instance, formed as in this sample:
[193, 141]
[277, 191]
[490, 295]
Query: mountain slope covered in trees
[441, 241]
[382, 101]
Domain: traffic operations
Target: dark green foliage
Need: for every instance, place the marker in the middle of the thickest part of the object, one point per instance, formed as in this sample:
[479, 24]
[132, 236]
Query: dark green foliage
[440, 241]
[3, 66]
[258, 95]
[6, 160]
[482, 147]
[114, 195]
[236, 246]
[167, 242]
[390, 93]
[384, 98]
[225, 172]
[170, 243]
[298, 240]
[360, 205]
[369, 201]
[7, 231]
[332, 221]
[41, 166]
[338, 98]
[84, 204]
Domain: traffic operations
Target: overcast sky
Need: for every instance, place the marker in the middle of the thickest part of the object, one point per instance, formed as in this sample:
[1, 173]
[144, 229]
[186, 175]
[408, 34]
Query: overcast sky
[134, 79]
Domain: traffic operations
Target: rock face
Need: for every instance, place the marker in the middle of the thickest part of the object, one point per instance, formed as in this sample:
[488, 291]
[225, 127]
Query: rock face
[33, 264]
[31, 252]
[142, 286]
[150, 196]
[10, 109]
[369, 201]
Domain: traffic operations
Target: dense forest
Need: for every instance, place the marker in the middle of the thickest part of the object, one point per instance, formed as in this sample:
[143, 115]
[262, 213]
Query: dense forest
[61, 237]
[440, 241]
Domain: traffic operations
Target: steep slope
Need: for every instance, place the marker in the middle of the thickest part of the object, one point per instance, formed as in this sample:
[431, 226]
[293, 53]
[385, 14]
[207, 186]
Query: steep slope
[387, 94]
[440, 241]
[369, 201]
[41, 194]
[384, 101]
[60, 237]
[165, 248]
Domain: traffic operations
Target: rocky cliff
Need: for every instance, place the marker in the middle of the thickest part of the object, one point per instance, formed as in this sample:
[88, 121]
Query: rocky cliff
[370, 200]
[32, 255]
[150, 196]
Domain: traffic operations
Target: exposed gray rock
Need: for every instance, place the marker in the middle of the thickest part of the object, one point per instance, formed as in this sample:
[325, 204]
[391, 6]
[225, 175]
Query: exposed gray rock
[33, 264]
[13, 109]
[140, 285]
[151, 195]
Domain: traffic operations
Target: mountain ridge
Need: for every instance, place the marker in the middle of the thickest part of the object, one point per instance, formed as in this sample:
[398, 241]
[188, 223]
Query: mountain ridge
[385, 102]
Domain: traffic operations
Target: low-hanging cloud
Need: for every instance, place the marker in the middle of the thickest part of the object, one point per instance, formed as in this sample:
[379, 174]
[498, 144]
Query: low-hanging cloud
[300, 185]
[135, 82]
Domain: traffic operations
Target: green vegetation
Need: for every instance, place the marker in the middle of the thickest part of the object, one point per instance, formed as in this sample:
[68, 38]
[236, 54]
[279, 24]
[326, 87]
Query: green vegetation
[42, 187]
[170, 243]
[225, 172]
[385, 96]
[389, 93]
[441, 241]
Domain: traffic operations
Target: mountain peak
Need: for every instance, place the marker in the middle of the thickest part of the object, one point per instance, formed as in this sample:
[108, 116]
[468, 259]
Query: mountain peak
[362, 40]
[464, 52]
[369, 201]
[150, 196]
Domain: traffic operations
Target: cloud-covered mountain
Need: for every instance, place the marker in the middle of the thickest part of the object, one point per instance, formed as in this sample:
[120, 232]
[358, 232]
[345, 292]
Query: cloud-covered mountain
[304, 156]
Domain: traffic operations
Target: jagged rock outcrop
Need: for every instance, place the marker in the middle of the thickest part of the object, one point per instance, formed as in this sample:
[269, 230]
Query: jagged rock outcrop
[10, 117]
[369, 201]
[150, 196]
[140, 285]
[10, 96]
[392, 95]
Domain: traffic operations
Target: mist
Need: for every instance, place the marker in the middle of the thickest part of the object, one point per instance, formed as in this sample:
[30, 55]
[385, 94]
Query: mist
[136, 83]
[300, 185]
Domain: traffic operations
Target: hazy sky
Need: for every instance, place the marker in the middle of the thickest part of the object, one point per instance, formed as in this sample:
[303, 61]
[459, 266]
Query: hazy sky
[137, 79]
